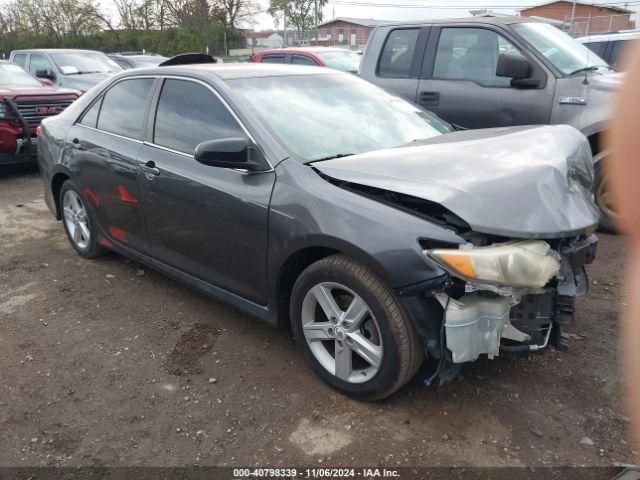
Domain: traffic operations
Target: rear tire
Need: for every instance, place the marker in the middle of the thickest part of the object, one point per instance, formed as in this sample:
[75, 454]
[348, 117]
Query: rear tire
[79, 222]
[366, 347]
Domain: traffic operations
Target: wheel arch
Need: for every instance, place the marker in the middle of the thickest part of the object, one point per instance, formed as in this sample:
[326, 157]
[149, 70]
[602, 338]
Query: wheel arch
[306, 254]
[56, 185]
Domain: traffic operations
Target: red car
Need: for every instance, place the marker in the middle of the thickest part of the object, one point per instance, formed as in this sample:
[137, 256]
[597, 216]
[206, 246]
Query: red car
[338, 58]
[25, 102]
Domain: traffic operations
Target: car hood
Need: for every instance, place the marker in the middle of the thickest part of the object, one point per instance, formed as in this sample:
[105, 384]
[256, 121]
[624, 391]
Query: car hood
[15, 91]
[84, 81]
[522, 182]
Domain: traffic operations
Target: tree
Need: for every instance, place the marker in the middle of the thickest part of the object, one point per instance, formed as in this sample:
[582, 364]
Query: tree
[233, 12]
[299, 13]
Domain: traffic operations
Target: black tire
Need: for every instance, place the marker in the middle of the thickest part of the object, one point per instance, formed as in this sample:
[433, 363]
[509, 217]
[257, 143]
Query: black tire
[607, 218]
[93, 249]
[402, 350]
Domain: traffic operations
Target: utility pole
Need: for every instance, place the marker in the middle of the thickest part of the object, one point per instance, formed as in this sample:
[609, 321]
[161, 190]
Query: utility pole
[284, 23]
[315, 6]
[573, 15]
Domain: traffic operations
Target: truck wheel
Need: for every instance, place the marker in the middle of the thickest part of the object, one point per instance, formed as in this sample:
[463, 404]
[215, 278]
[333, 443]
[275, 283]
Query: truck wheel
[604, 200]
[79, 222]
[353, 330]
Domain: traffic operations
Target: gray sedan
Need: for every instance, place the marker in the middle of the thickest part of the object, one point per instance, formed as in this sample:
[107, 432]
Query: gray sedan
[316, 201]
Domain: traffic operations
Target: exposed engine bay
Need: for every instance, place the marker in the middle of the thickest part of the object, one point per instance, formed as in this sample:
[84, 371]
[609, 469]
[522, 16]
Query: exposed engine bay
[483, 319]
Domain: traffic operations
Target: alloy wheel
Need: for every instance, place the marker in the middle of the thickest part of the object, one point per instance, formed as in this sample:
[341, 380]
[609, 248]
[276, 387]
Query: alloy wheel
[341, 332]
[76, 219]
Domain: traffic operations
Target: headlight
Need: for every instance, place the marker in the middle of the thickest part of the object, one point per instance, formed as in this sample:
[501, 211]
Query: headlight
[528, 263]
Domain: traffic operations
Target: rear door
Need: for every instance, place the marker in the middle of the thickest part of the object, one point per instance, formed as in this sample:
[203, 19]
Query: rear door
[106, 143]
[209, 222]
[459, 83]
[398, 65]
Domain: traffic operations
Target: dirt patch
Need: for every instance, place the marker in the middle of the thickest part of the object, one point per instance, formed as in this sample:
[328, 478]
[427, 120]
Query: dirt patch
[185, 358]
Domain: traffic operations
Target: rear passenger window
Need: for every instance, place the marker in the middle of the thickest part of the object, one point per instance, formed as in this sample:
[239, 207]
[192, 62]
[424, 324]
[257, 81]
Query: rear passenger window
[301, 60]
[273, 59]
[188, 114]
[20, 59]
[397, 54]
[90, 117]
[123, 108]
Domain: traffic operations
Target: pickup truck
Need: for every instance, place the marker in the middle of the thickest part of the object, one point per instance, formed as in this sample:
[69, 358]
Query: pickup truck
[498, 71]
[24, 102]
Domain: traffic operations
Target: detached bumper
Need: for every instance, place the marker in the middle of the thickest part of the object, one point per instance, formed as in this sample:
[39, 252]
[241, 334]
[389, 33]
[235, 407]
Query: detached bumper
[487, 323]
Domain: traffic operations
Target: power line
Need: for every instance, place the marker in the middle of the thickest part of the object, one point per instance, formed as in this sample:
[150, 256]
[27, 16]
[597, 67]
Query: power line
[468, 6]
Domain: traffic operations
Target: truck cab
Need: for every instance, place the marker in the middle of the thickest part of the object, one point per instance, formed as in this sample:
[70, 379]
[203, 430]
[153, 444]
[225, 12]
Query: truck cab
[497, 71]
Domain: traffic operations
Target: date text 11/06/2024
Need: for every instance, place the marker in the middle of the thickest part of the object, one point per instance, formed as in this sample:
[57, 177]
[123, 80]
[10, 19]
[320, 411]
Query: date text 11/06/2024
[239, 473]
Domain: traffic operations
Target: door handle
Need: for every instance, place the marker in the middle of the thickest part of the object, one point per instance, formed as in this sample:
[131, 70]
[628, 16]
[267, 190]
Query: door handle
[429, 99]
[149, 168]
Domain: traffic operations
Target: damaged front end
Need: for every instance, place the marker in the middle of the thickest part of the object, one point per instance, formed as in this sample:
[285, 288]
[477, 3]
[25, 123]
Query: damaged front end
[511, 298]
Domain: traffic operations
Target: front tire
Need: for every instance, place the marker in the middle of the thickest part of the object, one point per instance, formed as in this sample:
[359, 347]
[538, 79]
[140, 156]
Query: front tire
[79, 222]
[603, 199]
[353, 330]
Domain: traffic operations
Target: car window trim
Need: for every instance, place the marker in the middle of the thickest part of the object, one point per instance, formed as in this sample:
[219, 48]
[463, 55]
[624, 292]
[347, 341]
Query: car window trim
[153, 111]
[100, 98]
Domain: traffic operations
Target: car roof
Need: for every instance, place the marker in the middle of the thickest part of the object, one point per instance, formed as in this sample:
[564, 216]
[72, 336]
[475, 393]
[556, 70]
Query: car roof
[605, 37]
[480, 19]
[314, 49]
[55, 50]
[231, 71]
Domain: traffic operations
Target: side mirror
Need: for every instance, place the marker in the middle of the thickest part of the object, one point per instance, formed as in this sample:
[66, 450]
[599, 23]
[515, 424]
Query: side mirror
[512, 65]
[46, 74]
[233, 152]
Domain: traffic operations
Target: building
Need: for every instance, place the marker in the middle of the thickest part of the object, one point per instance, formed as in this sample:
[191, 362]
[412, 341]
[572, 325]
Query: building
[268, 39]
[352, 32]
[582, 18]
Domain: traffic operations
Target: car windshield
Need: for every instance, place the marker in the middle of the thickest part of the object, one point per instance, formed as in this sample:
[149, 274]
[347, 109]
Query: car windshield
[321, 116]
[566, 54]
[75, 63]
[15, 76]
[341, 60]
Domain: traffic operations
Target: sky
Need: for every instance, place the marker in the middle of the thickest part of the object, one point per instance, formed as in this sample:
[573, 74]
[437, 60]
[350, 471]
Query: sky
[433, 9]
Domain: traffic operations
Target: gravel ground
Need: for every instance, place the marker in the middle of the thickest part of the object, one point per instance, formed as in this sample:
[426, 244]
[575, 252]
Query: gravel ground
[107, 363]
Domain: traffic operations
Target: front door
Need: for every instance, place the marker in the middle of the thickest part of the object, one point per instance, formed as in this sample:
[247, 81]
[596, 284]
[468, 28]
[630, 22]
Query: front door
[107, 141]
[206, 221]
[460, 85]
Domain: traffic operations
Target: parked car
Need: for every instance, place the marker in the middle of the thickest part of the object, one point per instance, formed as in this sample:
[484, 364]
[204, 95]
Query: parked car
[338, 58]
[68, 68]
[358, 226]
[498, 71]
[25, 102]
[129, 60]
[610, 46]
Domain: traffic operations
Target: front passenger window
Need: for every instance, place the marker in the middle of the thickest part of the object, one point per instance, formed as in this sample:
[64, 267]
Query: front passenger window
[471, 54]
[188, 114]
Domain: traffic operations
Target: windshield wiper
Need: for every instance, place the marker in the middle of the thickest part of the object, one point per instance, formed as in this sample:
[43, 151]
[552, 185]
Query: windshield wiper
[592, 68]
[331, 157]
